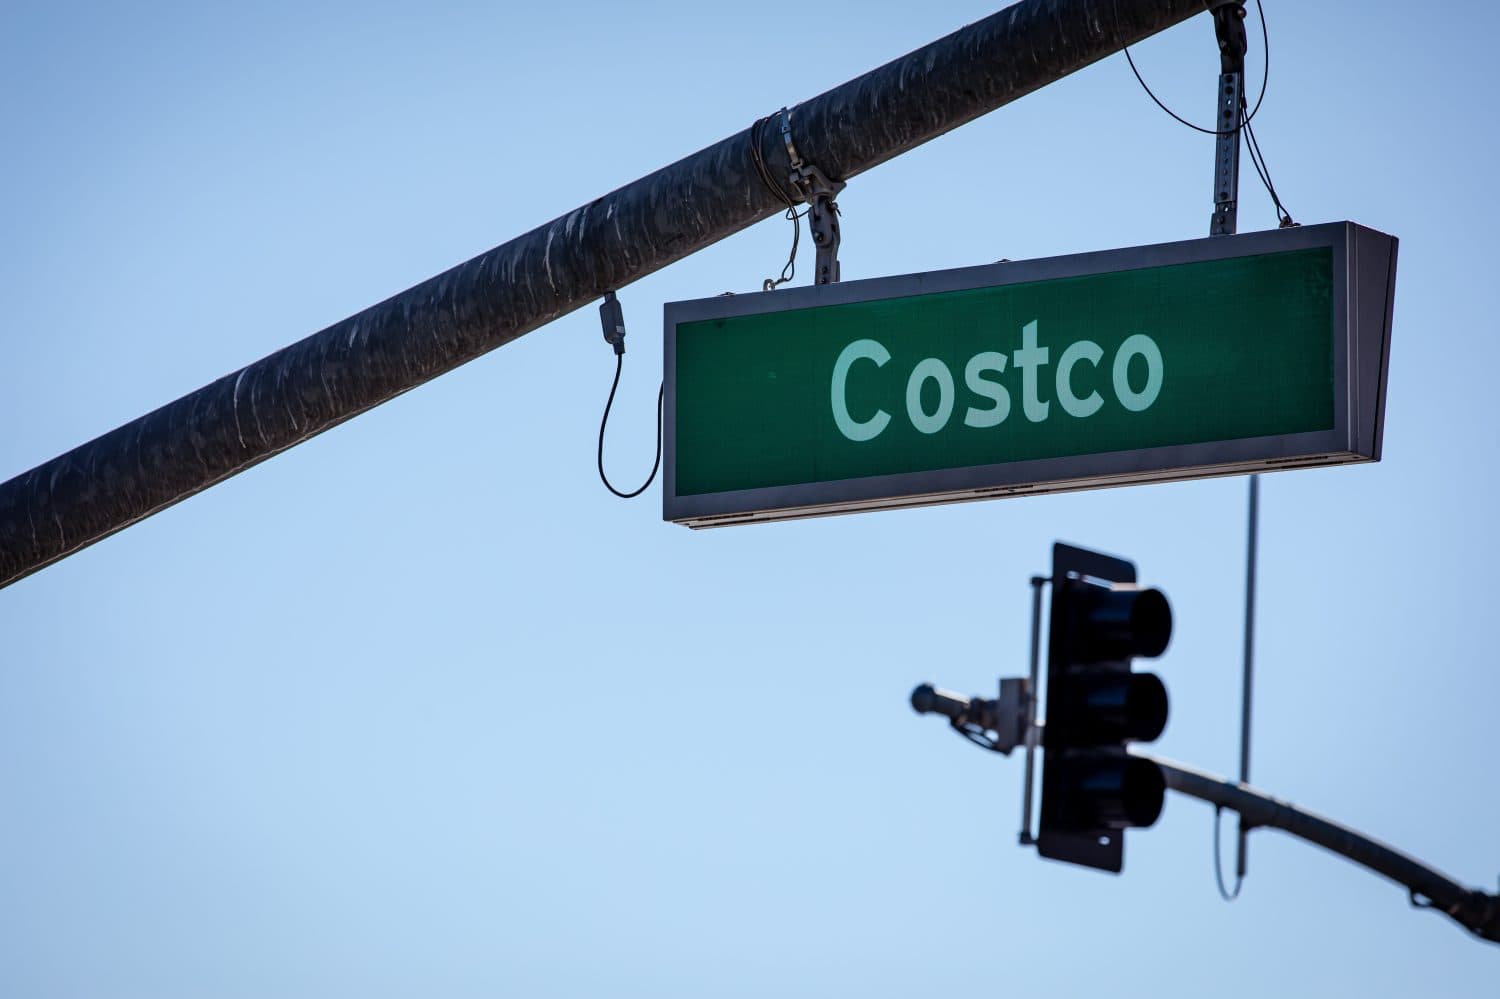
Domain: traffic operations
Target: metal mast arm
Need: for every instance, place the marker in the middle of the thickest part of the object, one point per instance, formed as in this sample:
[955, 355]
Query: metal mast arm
[313, 385]
[1476, 911]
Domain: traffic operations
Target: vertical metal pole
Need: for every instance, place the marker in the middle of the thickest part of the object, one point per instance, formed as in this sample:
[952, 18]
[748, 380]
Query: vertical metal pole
[1037, 582]
[1229, 27]
[1252, 537]
[1227, 156]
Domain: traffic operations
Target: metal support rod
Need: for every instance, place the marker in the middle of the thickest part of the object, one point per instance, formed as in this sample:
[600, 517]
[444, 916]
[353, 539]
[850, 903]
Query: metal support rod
[823, 223]
[1247, 686]
[1229, 30]
[1030, 729]
[1476, 911]
[1229, 27]
[317, 383]
[1227, 156]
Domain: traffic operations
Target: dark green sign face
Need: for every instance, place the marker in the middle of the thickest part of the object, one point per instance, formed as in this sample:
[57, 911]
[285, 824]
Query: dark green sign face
[886, 390]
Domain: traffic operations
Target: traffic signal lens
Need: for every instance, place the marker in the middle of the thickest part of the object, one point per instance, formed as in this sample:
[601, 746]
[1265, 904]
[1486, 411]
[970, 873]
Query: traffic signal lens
[1113, 792]
[1113, 707]
[1145, 707]
[1143, 792]
[1122, 623]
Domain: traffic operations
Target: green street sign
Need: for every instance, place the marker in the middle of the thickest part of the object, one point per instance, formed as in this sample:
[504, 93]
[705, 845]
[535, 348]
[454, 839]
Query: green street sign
[1217, 356]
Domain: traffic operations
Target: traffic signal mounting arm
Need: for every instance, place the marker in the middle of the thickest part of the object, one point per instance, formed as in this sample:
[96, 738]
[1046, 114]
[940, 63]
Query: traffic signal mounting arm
[1476, 911]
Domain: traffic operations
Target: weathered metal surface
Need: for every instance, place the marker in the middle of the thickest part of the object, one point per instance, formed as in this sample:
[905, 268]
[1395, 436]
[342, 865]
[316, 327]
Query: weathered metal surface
[321, 381]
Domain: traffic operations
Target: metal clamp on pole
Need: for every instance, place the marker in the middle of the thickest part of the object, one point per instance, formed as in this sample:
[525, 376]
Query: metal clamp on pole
[1229, 26]
[822, 211]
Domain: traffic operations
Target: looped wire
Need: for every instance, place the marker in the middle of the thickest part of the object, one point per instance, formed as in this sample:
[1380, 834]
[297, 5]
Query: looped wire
[1264, 77]
[1246, 113]
[977, 736]
[757, 133]
[1224, 893]
[604, 422]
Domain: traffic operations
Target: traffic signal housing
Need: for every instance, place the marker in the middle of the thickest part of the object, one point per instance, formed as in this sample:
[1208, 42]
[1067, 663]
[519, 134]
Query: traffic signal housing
[1092, 789]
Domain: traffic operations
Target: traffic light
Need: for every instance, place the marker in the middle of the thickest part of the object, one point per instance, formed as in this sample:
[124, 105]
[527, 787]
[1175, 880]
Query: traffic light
[1092, 789]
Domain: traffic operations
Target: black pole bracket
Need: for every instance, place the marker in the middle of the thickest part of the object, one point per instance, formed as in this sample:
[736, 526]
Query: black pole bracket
[1229, 27]
[822, 210]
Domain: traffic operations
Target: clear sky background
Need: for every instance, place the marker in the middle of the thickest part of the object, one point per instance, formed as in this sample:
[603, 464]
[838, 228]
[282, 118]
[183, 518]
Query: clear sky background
[417, 708]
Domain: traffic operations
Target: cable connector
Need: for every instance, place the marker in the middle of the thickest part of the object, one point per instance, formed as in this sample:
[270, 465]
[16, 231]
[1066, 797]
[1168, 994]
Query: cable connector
[612, 318]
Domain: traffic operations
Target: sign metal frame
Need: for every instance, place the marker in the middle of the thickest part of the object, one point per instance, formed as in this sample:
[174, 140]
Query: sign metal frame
[1364, 273]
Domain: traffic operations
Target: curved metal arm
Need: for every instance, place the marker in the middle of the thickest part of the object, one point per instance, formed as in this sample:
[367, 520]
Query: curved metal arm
[1476, 911]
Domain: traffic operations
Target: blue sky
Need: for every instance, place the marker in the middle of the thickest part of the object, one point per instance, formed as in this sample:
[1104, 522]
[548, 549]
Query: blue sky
[417, 707]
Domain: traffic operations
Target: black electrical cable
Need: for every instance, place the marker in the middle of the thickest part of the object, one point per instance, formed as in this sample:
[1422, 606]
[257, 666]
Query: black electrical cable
[976, 735]
[1260, 172]
[789, 271]
[1264, 77]
[660, 396]
[1239, 883]
[757, 130]
[1258, 160]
